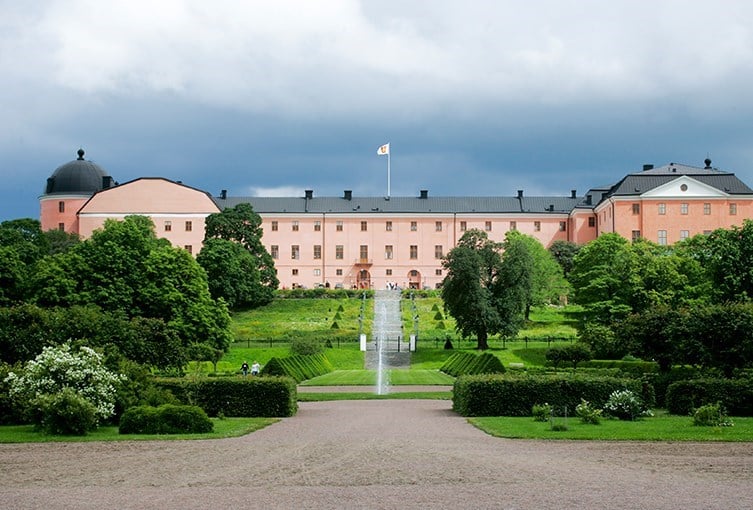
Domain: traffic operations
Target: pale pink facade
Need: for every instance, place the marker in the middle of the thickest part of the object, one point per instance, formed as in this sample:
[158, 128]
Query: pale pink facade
[370, 242]
[178, 211]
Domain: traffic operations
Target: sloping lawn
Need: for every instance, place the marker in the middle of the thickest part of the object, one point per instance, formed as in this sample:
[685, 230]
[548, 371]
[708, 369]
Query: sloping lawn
[369, 378]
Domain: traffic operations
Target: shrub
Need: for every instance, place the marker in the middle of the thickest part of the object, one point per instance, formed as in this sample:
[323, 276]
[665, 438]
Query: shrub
[588, 413]
[305, 346]
[448, 344]
[711, 415]
[625, 405]
[735, 395]
[541, 412]
[165, 419]
[335, 325]
[65, 413]
[438, 316]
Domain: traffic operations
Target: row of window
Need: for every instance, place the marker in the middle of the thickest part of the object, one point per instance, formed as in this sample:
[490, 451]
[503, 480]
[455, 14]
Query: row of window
[661, 235]
[339, 272]
[169, 226]
[685, 208]
[438, 226]
[363, 252]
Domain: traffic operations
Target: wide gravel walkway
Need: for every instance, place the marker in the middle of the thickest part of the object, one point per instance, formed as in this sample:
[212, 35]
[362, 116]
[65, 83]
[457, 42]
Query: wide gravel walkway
[375, 454]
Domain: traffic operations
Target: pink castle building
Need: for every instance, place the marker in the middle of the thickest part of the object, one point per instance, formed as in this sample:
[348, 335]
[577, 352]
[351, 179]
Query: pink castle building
[364, 242]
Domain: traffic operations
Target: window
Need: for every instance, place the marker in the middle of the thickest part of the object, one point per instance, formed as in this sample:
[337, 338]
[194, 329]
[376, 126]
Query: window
[684, 234]
[317, 272]
[61, 206]
[513, 225]
[684, 208]
[537, 226]
[413, 226]
[488, 226]
[413, 251]
[364, 226]
[274, 251]
[388, 226]
[388, 252]
[189, 226]
[732, 209]
[364, 252]
[662, 208]
[339, 251]
[61, 227]
[295, 225]
[438, 272]
[707, 208]
[275, 226]
[463, 226]
[438, 251]
[295, 272]
[591, 221]
[563, 226]
[388, 272]
[636, 208]
[438, 226]
[636, 235]
[338, 272]
[295, 252]
[317, 226]
[339, 226]
[168, 226]
[706, 232]
[188, 248]
[662, 238]
[317, 251]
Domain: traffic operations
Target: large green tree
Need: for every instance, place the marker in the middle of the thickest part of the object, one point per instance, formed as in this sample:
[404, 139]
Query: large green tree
[485, 291]
[242, 225]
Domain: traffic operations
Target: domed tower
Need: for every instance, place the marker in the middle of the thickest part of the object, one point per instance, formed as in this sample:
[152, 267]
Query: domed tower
[68, 188]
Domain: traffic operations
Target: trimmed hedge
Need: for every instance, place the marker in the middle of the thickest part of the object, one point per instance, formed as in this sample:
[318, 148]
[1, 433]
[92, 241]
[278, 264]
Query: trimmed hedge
[735, 395]
[263, 397]
[468, 363]
[300, 367]
[636, 368]
[165, 419]
[515, 395]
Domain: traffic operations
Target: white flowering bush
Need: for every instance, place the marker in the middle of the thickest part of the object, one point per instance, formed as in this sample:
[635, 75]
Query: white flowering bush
[625, 405]
[588, 413]
[61, 370]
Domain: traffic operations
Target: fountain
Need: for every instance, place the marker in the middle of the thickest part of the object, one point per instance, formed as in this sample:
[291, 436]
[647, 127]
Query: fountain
[386, 333]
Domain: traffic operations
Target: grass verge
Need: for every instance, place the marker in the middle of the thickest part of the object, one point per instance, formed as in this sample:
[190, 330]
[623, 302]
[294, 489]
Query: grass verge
[228, 427]
[369, 378]
[408, 395]
[662, 427]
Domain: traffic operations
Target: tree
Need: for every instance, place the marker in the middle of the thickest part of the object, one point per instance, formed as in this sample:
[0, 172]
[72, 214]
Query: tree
[564, 253]
[485, 291]
[729, 258]
[233, 274]
[242, 225]
[12, 276]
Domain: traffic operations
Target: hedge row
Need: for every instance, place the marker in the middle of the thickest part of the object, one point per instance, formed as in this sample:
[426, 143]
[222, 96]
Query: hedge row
[515, 395]
[165, 419]
[636, 368]
[267, 397]
[322, 293]
[736, 395]
[299, 367]
[468, 363]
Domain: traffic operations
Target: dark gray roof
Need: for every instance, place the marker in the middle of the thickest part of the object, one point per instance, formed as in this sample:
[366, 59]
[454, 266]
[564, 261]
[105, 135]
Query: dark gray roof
[381, 205]
[77, 176]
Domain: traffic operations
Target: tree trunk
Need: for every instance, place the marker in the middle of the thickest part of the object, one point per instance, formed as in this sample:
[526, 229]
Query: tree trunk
[482, 344]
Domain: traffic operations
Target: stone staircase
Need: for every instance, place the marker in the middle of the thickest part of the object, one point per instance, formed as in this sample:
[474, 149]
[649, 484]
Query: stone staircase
[390, 359]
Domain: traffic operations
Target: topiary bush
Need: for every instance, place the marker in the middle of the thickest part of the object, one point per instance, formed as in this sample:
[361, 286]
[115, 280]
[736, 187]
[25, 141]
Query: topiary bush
[299, 367]
[165, 419]
[468, 363]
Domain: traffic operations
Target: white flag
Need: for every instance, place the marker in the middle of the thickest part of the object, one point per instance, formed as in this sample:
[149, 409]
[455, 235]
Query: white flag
[383, 150]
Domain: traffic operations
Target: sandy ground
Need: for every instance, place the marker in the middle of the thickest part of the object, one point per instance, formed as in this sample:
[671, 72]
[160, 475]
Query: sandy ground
[376, 454]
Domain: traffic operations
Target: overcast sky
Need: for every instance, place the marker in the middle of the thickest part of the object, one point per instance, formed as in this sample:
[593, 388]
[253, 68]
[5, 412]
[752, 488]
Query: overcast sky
[475, 97]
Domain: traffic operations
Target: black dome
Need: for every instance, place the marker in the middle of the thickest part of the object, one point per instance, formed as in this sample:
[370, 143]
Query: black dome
[77, 176]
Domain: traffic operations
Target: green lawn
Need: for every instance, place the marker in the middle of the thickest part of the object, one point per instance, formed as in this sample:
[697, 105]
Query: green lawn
[369, 378]
[228, 427]
[662, 427]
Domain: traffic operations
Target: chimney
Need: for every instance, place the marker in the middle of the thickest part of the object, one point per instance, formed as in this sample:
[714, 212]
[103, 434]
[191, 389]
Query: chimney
[520, 193]
[707, 162]
[648, 167]
[589, 199]
[573, 193]
[424, 193]
[106, 182]
[309, 194]
[348, 194]
[551, 207]
[223, 194]
[50, 184]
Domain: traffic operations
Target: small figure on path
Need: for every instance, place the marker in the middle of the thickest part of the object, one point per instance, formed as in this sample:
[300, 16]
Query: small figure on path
[244, 369]
[255, 368]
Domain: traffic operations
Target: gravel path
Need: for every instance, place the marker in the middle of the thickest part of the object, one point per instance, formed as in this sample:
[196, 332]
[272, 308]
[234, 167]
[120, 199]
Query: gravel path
[376, 454]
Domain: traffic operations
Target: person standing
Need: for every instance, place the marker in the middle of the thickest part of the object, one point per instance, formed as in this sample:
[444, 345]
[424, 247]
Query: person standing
[244, 368]
[255, 368]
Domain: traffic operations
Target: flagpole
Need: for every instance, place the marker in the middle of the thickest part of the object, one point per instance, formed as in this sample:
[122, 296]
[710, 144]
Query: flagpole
[388, 174]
